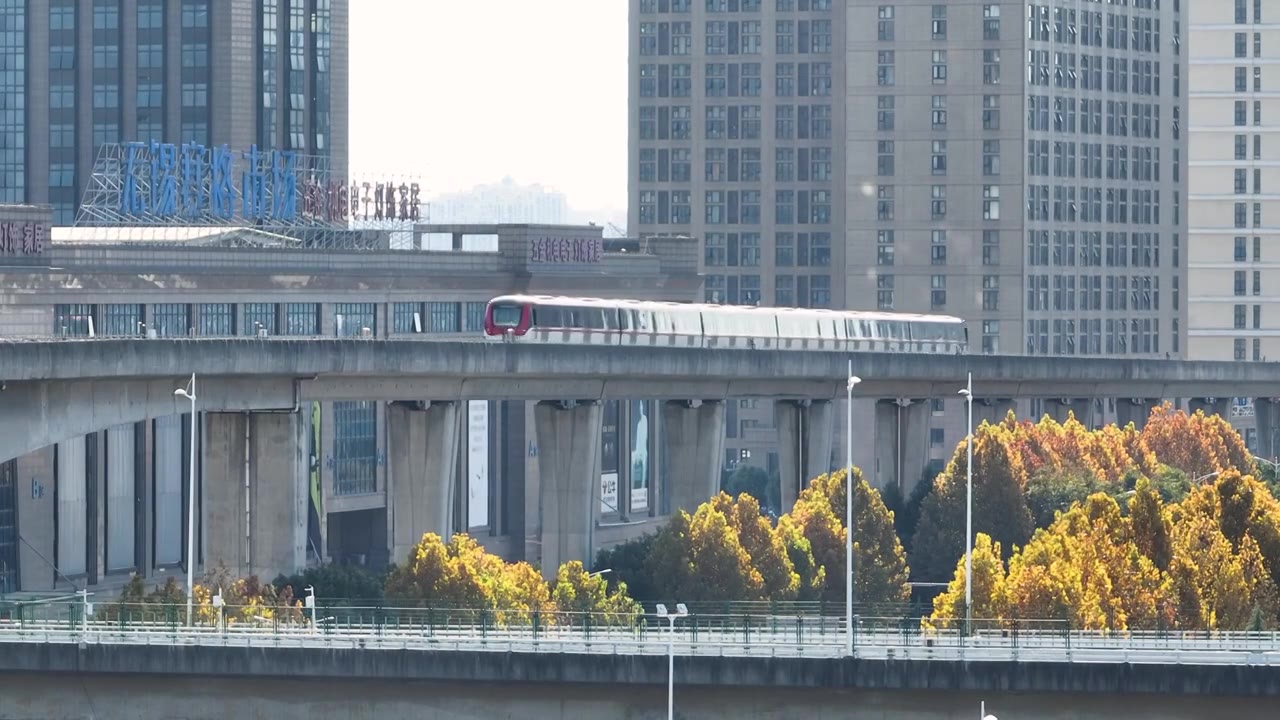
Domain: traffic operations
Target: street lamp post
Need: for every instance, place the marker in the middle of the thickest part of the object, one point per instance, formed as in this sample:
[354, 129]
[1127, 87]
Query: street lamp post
[1202, 478]
[967, 392]
[189, 392]
[848, 514]
[983, 712]
[671, 618]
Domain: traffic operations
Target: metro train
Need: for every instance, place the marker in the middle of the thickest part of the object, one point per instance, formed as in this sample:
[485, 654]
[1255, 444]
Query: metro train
[594, 321]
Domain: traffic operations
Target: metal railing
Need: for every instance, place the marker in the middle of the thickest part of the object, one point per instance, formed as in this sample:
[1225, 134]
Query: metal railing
[700, 634]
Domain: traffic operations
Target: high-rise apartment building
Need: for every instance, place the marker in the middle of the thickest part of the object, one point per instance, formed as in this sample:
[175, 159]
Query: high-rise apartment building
[75, 74]
[1017, 165]
[1233, 162]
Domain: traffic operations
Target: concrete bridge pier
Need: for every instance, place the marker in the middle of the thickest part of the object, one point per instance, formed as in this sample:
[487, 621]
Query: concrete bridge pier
[256, 490]
[1134, 410]
[902, 442]
[422, 450]
[1265, 411]
[1060, 408]
[695, 443]
[805, 432]
[1210, 405]
[991, 410]
[568, 435]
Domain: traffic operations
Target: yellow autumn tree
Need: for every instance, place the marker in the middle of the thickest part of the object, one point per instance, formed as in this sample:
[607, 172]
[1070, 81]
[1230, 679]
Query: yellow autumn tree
[1086, 568]
[461, 574]
[1197, 444]
[578, 593]
[990, 600]
[763, 544]
[880, 565]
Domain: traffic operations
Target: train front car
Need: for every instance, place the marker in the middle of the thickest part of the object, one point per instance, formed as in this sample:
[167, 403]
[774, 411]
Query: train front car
[507, 318]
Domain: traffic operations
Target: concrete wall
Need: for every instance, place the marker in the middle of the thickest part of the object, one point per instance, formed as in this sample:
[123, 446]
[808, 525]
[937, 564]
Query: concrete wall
[135, 697]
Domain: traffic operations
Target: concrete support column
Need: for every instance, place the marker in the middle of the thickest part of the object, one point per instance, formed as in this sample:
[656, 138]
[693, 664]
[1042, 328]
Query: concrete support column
[1134, 410]
[805, 431]
[990, 410]
[1264, 418]
[1060, 408]
[256, 489]
[902, 442]
[1210, 405]
[695, 432]
[569, 480]
[422, 450]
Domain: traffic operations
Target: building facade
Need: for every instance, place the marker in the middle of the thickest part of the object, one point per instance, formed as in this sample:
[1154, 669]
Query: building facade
[112, 503]
[77, 74]
[1233, 163]
[1019, 166]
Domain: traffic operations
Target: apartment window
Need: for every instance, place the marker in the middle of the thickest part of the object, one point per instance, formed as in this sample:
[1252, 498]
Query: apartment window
[884, 158]
[990, 292]
[1240, 347]
[884, 112]
[406, 318]
[990, 67]
[938, 158]
[1241, 253]
[884, 202]
[302, 319]
[990, 112]
[884, 27]
[355, 447]
[72, 320]
[1239, 285]
[473, 316]
[259, 317]
[990, 157]
[939, 26]
[170, 319]
[990, 247]
[884, 292]
[937, 292]
[884, 248]
[938, 103]
[217, 319]
[1239, 316]
[884, 68]
[990, 202]
[938, 73]
[195, 14]
[990, 337]
[351, 319]
[990, 22]
[938, 208]
[784, 291]
[122, 320]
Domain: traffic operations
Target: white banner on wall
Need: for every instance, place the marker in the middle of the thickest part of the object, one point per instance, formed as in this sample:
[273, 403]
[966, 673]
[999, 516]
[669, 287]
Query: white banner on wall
[477, 463]
[609, 492]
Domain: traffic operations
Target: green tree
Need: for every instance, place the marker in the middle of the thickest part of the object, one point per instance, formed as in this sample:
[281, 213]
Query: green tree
[999, 506]
[627, 564]
[754, 481]
[336, 583]
[1151, 531]
[1049, 493]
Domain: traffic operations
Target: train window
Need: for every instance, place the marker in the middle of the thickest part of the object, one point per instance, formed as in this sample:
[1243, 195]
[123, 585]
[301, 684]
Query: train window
[593, 318]
[548, 317]
[506, 315]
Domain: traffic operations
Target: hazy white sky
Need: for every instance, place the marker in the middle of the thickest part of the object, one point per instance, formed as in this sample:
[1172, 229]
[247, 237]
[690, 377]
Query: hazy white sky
[463, 92]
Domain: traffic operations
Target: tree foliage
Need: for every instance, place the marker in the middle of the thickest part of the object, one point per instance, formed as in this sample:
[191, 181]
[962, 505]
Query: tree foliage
[577, 591]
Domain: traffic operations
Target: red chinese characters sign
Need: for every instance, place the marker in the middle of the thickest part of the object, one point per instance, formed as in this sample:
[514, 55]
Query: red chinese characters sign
[23, 237]
[566, 251]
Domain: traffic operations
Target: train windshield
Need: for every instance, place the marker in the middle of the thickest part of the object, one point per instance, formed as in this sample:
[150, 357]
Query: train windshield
[506, 315]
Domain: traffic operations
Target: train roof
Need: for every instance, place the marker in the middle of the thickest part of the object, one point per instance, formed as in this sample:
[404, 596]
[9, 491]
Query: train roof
[700, 307]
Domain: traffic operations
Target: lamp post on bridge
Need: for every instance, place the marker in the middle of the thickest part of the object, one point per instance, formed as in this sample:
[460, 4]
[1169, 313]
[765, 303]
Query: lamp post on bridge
[189, 392]
[671, 617]
[967, 392]
[848, 514]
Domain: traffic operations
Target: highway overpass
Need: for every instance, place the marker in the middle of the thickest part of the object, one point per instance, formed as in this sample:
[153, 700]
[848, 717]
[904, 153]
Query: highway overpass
[61, 674]
[251, 389]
